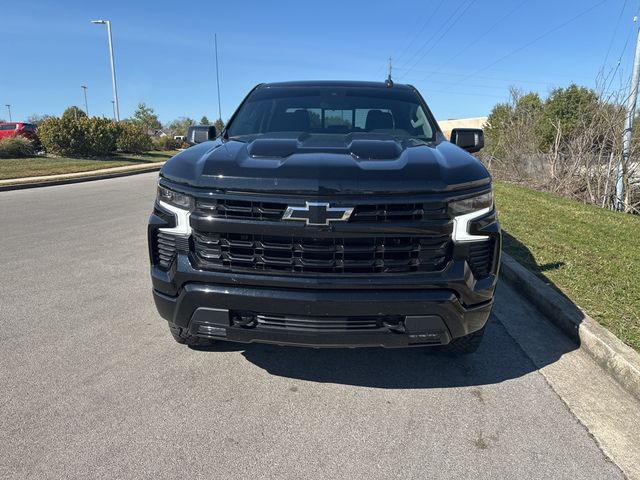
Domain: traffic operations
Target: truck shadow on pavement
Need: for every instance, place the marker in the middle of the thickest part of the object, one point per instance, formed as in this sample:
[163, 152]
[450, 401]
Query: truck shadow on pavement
[518, 341]
[524, 256]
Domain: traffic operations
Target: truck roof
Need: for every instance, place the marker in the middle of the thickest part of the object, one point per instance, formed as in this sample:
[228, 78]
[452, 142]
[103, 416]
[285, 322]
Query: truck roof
[333, 83]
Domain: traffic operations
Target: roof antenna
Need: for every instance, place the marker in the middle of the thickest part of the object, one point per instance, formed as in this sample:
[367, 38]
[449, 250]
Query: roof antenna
[388, 82]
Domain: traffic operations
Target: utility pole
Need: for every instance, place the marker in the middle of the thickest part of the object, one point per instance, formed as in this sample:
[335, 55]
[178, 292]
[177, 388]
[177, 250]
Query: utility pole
[215, 39]
[628, 128]
[9, 108]
[86, 105]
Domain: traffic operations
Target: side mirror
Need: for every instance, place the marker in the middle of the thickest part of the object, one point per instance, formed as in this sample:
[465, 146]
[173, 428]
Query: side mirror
[469, 139]
[200, 133]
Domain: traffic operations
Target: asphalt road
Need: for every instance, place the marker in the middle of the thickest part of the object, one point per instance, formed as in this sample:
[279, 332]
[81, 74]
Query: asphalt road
[93, 385]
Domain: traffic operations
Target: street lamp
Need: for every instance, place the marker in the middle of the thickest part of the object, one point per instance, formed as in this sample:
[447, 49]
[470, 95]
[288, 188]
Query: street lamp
[113, 66]
[86, 105]
[9, 108]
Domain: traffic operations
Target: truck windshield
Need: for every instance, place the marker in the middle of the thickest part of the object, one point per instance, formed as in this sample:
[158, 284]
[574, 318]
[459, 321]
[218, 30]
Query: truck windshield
[333, 110]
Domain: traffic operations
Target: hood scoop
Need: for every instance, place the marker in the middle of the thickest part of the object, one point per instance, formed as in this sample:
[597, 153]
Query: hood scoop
[361, 148]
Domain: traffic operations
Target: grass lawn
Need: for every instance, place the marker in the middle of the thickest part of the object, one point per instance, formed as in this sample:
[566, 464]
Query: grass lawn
[37, 166]
[590, 254]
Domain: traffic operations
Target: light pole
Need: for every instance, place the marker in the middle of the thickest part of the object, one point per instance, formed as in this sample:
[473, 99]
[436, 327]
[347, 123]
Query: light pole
[86, 105]
[628, 129]
[113, 104]
[215, 39]
[113, 66]
[9, 108]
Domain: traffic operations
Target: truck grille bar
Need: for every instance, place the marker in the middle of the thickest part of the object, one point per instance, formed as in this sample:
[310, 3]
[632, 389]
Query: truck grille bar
[378, 213]
[320, 323]
[375, 254]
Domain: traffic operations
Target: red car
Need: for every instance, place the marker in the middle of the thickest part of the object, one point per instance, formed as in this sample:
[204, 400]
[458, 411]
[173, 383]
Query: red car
[18, 129]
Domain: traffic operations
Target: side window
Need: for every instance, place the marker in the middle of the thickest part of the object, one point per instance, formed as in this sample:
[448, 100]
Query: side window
[8, 126]
[251, 120]
[315, 116]
[361, 116]
[341, 118]
[420, 123]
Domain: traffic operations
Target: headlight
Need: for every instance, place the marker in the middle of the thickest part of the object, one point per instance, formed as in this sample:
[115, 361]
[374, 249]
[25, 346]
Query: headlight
[176, 199]
[180, 205]
[473, 204]
[466, 210]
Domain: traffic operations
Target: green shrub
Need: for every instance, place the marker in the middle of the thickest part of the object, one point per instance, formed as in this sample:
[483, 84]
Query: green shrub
[81, 136]
[73, 113]
[132, 138]
[56, 138]
[166, 143]
[16, 147]
[102, 135]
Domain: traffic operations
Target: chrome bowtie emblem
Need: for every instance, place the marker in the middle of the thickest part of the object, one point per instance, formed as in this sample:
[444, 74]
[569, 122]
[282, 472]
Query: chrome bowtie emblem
[317, 213]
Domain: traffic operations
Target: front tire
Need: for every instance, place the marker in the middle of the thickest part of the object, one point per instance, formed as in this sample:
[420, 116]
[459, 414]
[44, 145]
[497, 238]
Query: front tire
[182, 336]
[467, 344]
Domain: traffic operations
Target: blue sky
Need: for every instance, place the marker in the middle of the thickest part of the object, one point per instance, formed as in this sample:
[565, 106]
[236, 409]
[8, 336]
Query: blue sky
[463, 55]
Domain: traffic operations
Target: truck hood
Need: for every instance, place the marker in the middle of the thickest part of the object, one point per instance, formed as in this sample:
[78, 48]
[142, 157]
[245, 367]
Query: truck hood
[327, 164]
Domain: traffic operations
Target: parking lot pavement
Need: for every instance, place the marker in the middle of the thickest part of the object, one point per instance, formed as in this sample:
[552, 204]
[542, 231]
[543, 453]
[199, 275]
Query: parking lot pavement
[94, 386]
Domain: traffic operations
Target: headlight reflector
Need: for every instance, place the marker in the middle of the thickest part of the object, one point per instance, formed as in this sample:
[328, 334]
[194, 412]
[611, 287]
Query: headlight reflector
[466, 210]
[180, 205]
[176, 199]
[472, 204]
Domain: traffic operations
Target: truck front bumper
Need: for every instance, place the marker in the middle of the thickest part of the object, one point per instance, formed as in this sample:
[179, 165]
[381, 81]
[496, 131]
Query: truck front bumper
[390, 310]
[322, 318]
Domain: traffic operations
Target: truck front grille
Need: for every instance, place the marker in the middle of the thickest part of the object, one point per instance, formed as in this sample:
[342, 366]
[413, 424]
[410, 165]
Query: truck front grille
[363, 213]
[242, 209]
[398, 212]
[376, 254]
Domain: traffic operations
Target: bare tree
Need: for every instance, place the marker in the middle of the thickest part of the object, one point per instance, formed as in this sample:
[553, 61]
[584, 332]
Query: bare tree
[572, 153]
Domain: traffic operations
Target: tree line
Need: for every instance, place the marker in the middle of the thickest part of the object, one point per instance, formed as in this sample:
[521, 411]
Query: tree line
[569, 143]
[146, 116]
[76, 134]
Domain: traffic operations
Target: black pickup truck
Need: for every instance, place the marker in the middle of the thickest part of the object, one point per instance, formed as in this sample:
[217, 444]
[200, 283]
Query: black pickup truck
[327, 214]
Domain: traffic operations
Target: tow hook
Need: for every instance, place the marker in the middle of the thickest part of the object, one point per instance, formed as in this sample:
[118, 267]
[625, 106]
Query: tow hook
[243, 319]
[395, 327]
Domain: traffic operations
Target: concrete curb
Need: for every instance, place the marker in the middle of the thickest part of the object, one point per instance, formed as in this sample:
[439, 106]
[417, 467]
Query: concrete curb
[618, 359]
[66, 178]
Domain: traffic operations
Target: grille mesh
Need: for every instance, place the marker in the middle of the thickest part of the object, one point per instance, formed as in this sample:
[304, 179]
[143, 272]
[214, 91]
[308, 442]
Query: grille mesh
[382, 212]
[388, 254]
[242, 209]
[398, 212]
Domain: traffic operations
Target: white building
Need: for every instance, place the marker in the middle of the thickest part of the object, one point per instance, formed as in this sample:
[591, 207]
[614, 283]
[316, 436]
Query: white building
[448, 125]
